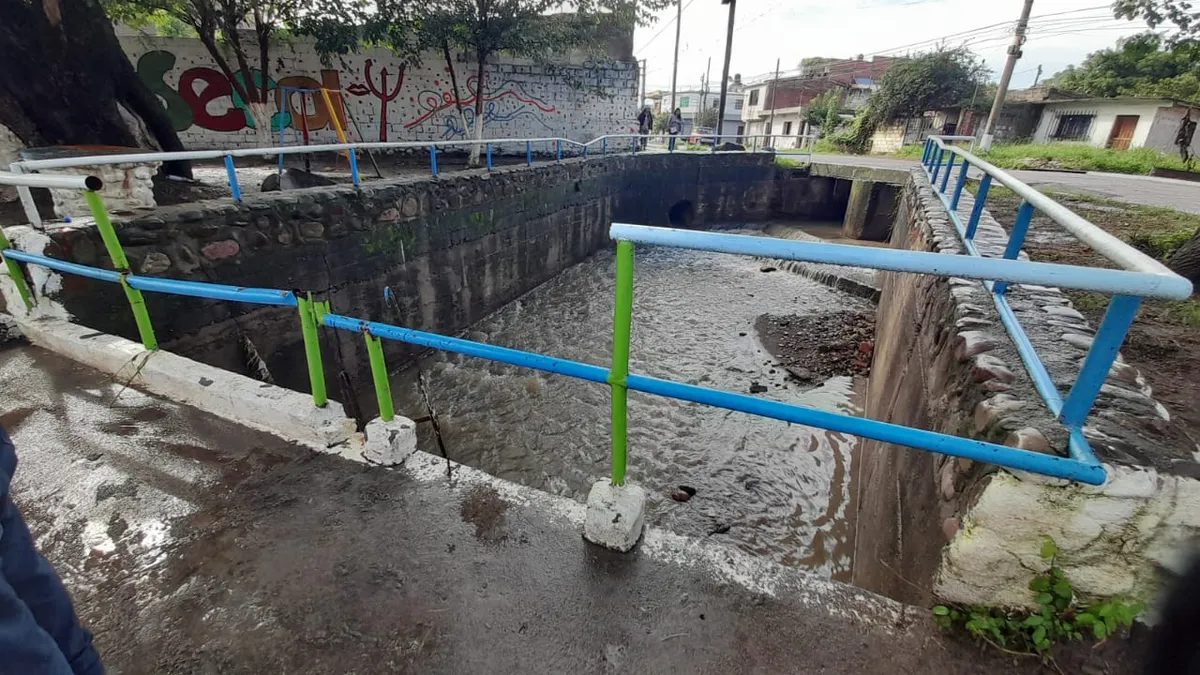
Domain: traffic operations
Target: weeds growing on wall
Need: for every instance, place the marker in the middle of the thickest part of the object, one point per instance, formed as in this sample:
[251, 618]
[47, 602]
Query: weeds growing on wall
[1058, 618]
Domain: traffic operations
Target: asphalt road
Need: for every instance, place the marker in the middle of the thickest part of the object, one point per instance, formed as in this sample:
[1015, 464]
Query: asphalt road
[1148, 190]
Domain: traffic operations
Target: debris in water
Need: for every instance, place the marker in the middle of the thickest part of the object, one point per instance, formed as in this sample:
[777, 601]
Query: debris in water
[719, 529]
[683, 493]
[756, 388]
[767, 268]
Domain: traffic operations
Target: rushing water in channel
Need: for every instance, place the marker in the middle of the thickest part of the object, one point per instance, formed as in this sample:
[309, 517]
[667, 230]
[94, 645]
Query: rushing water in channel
[778, 490]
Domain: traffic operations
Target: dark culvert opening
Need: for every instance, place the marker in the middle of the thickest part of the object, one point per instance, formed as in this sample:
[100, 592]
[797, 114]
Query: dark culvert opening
[681, 214]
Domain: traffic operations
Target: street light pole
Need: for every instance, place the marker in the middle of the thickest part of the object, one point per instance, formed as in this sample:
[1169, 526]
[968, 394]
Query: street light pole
[675, 66]
[1014, 54]
[774, 93]
[725, 71]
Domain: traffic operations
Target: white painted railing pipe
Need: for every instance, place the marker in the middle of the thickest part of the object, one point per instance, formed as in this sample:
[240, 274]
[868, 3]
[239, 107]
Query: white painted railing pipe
[1105, 244]
[53, 182]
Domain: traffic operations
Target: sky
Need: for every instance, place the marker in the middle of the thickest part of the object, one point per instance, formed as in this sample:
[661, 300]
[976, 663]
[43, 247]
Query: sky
[1062, 32]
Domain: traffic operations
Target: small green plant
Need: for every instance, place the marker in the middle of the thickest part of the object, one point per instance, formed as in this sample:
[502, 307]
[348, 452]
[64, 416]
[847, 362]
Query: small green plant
[1057, 619]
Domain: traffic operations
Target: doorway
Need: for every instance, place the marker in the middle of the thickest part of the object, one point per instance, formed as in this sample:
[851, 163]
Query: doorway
[1122, 132]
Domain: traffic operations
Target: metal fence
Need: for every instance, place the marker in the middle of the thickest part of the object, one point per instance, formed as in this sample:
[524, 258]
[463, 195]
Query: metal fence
[1142, 277]
[559, 147]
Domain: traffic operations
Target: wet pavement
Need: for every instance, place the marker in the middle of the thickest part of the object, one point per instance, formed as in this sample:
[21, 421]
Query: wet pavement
[194, 546]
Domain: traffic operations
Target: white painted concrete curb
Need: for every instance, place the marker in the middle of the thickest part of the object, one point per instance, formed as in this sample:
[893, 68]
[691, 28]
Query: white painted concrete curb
[266, 407]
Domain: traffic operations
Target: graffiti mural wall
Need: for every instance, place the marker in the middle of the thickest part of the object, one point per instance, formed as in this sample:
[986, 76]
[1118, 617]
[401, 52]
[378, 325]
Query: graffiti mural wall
[373, 97]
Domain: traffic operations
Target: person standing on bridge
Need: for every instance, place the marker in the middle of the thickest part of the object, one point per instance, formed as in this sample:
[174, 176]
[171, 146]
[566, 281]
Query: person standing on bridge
[645, 122]
[39, 632]
[674, 126]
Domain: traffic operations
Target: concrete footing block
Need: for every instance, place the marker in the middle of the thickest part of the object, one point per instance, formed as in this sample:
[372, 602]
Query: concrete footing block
[615, 515]
[390, 443]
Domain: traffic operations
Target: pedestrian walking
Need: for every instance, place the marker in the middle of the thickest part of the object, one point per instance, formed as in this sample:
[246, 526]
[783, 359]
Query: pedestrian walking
[675, 126]
[645, 122]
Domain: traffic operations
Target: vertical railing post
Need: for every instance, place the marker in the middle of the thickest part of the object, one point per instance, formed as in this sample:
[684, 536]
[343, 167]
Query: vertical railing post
[383, 390]
[949, 169]
[937, 166]
[1113, 327]
[617, 376]
[1016, 239]
[121, 264]
[528, 153]
[283, 101]
[557, 152]
[980, 197]
[15, 273]
[433, 160]
[634, 146]
[585, 150]
[230, 171]
[925, 153]
[962, 182]
[604, 145]
[312, 348]
[353, 155]
[489, 156]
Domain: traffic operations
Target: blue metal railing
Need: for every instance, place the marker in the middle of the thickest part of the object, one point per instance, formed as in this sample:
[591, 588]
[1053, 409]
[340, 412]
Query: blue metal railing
[1143, 277]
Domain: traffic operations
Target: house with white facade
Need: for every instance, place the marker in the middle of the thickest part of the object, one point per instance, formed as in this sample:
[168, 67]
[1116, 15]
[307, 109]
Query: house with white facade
[1119, 123]
[692, 99]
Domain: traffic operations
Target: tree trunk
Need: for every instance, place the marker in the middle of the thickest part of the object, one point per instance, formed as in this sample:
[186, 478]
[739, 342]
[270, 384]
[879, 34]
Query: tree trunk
[65, 76]
[462, 118]
[1185, 261]
[473, 160]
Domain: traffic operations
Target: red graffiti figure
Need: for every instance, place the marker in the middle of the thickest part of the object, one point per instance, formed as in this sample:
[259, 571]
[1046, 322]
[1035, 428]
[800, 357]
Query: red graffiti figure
[381, 93]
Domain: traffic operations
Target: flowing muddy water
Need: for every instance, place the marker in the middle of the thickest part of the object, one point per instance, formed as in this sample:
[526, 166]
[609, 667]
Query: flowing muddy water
[775, 489]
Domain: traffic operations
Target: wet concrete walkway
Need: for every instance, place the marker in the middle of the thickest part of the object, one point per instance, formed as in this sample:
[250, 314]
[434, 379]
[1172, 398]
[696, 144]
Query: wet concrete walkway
[194, 546]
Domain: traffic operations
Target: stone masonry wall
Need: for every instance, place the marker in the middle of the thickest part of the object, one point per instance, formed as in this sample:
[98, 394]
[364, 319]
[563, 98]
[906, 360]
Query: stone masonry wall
[932, 525]
[451, 249]
[381, 100]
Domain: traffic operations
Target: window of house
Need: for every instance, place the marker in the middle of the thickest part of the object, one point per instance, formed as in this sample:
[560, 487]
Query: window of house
[1073, 127]
[787, 128]
[768, 131]
[754, 97]
[737, 104]
[685, 101]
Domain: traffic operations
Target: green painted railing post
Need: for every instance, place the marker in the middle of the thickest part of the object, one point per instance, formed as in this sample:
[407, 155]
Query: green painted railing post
[121, 264]
[312, 349]
[622, 326]
[383, 390]
[15, 273]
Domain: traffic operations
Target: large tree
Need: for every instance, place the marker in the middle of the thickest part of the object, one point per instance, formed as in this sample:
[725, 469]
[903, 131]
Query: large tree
[64, 79]
[1143, 65]
[223, 27]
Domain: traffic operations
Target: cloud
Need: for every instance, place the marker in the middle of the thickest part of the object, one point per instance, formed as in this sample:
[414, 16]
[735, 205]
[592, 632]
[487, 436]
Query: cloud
[1062, 32]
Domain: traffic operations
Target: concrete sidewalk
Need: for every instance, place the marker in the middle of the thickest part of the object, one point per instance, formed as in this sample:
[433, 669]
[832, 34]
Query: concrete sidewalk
[194, 546]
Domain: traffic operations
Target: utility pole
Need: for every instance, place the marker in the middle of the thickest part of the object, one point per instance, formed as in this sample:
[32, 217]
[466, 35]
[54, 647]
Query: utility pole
[675, 66]
[1014, 54]
[1038, 76]
[642, 98]
[704, 86]
[725, 71]
[774, 93]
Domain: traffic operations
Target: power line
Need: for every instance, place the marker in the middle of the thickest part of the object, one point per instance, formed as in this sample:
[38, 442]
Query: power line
[665, 26]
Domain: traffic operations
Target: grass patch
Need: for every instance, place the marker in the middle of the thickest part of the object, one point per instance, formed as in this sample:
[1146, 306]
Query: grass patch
[1081, 157]
[790, 163]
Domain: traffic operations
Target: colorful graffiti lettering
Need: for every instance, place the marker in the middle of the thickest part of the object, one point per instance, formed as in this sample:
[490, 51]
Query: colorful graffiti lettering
[382, 93]
[510, 93]
[201, 88]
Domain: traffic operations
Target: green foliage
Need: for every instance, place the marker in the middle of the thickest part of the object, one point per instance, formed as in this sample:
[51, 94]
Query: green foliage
[706, 118]
[1181, 13]
[930, 81]
[1142, 65]
[790, 163]
[1081, 157]
[823, 112]
[1058, 617]
[660, 122]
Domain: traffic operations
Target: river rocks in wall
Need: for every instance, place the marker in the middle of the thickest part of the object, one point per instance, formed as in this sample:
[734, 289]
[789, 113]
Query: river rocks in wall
[293, 179]
[155, 263]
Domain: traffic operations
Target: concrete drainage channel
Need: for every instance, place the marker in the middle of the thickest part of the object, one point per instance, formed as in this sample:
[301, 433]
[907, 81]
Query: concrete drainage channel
[471, 247]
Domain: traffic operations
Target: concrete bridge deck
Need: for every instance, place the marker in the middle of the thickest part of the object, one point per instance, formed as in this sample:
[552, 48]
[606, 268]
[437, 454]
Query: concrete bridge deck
[192, 545]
